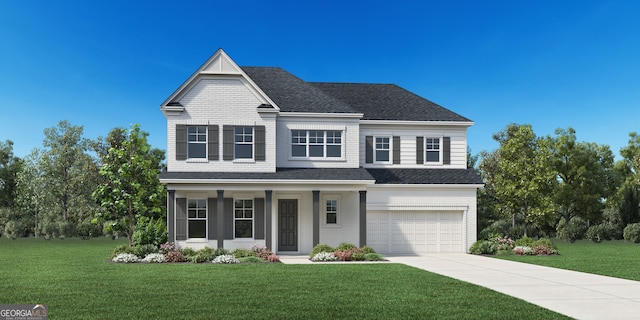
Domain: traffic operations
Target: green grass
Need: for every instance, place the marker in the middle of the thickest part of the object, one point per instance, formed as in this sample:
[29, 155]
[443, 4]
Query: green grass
[615, 258]
[77, 282]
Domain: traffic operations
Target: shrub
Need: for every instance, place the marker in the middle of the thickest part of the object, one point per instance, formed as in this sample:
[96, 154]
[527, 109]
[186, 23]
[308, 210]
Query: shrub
[221, 252]
[544, 246]
[357, 255]
[522, 250]
[12, 229]
[264, 254]
[145, 249]
[372, 256]
[324, 256]
[321, 248]
[346, 246]
[225, 259]
[483, 247]
[251, 259]
[367, 249]
[154, 258]
[121, 249]
[202, 255]
[632, 232]
[187, 253]
[66, 229]
[167, 247]
[257, 248]
[242, 253]
[503, 243]
[85, 230]
[126, 258]
[600, 232]
[149, 231]
[500, 227]
[523, 242]
[574, 230]
[174, 256]
[273, 258]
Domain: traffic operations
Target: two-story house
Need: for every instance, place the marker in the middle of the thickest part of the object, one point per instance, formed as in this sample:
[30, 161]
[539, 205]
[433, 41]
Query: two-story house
[259, 156]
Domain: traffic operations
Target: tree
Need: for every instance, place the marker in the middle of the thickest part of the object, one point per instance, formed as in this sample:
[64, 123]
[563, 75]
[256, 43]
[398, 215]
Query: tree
[631, 157]
[31, 189]
[69, 171]
[519, 176]
[584, 172]
[131, 187]
[9, 167]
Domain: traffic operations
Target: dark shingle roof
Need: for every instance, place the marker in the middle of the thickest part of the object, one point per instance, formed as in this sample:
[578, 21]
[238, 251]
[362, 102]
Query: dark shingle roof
[292, 94]
[425, 176]
[388, 102]
[280, 174]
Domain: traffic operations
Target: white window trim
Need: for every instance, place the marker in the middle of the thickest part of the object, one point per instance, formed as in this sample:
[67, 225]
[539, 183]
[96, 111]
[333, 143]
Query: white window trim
[375, 155]
[326, 198]
[206, 219]
[324, 158]
[433, 163]
[252, 143]
[205, 142]
[253, 216]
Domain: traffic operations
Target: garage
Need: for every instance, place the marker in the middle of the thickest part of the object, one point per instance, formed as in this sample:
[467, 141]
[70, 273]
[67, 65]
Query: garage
[415, 232]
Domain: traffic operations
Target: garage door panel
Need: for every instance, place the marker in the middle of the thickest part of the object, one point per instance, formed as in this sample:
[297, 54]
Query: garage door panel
[415, 232]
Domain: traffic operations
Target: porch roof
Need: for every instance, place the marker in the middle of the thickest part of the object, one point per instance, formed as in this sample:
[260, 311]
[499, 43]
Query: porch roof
[286, 174]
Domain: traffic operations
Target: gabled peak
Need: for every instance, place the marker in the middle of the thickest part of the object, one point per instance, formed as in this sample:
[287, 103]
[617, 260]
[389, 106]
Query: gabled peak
[220, 63]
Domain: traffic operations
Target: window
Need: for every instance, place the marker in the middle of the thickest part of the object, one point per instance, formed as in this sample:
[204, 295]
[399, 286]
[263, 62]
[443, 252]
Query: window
[382, 149]
[432, 149]
[243, 218]
[316, 143]
[196, 142]
[243, 138]
[197, 218]
[332, 211]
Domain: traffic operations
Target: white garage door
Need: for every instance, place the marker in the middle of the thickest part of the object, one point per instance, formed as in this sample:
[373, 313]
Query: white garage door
[415, 232]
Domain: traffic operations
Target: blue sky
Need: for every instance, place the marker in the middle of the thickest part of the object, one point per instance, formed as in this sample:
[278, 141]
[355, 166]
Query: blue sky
[106, 64]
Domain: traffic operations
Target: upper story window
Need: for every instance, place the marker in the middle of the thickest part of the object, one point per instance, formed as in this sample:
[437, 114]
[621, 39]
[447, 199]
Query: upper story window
[243, 218]
[196, 142]
[197, 218]
[382, 146]
[243, 139]
[432, 149]
[316, 143]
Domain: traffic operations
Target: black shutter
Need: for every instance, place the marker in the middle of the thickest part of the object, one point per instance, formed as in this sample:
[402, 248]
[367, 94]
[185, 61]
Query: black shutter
[181, 219]
[228, 218]
[420, 150]
[260, 143]
[227, 142]
[396, 150]
[446, 150]
[212, 205]
[212, 141]
[181, 142]
[368, 145]
[258, 217]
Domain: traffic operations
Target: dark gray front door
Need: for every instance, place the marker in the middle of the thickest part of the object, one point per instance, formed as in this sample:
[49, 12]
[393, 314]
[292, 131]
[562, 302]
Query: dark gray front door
[287, 225]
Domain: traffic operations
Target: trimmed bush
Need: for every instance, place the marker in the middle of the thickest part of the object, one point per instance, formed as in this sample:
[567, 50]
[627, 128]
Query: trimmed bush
[367, 249]
[225, 259]
[324, 256]
[273, 258]
[597, 233]
[522, 250]
[143, 250]
[544, 246]
[321, 248]
[85, 230]
[523, 242]
[631, 232]
[372, 256]
[154, 258]
[345, 246]
[220, 252]
[574, 230]
[242, 253]
[483, 247]
[121, 249]
[357, 255]
[187, 253]
[174, 256]
[12, 228]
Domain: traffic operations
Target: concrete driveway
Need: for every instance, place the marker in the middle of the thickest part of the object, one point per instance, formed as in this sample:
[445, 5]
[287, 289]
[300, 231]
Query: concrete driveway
[575, 294]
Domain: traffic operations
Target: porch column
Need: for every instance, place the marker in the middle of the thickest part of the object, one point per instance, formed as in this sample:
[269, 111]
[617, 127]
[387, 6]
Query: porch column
[220, 219]
[363, 218]
[171, 214]
[316, 217]
[267, 220]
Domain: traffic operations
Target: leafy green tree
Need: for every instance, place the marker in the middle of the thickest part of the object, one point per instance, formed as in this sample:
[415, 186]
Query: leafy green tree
[31, 189]
[584, 171]
[70, 172]
[629, 211]
[631, 158]
[131, 186]
[9, 166]
[519, 175]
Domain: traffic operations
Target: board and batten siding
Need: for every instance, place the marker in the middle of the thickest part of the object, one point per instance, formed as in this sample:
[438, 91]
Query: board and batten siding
[408, 137]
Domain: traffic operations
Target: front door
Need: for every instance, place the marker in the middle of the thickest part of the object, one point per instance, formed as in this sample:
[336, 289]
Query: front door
[287, 225]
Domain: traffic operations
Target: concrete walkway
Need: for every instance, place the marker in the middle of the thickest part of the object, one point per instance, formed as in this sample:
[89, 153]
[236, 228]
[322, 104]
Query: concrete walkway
[575, 294]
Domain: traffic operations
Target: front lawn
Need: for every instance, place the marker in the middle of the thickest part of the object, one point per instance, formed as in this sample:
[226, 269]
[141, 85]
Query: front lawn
[616, 258]
[75, 279]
